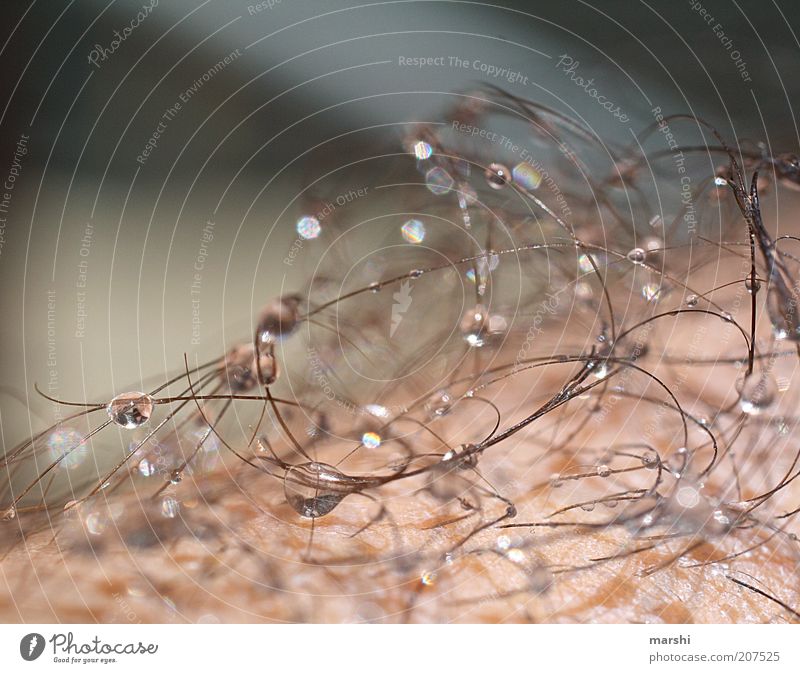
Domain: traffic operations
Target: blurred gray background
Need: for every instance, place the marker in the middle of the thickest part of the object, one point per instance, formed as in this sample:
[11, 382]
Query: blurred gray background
[99, 249]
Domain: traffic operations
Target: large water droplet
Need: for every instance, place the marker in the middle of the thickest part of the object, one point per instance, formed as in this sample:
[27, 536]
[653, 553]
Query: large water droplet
[413, 231]
[474, 326]
[130, 410]
[279, 318]
[637, 255]
[439, 404]
[526, 176]
[438, 181]
[308, 227]
[757, 393]
[497, 176]
[67, 446]
[314, 489]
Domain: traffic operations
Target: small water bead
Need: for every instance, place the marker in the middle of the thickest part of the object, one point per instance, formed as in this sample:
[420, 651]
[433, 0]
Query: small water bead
[726, 317]
[526, 176]
[503, 542]
[650, 460]
[720, 182]
[428, 578]
[603, 470]
[130, 410]
[463, 457]
[439, 404]
[415, 273]
[751, 288]
[585, 264]
[422, 150]
[96, 523]
[371, 440]
[170, 507]
[308, 227]
[757, 393]
[474, 326]
[587, 507]
[438, 181]
[314, 489]
[651, 292]
[9, 514]
[692, 300]
[497, 176]
[516, 555]
[175, 477]
[687, 496]
[147, 468]
[67, 446]
[556, 481]
[279, 318]
[376, 410]
[375, 287]
[637, 255]
[413, 231]
[242, 370]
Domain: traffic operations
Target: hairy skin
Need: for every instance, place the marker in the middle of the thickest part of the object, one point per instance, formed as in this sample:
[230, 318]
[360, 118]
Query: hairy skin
[244, 555]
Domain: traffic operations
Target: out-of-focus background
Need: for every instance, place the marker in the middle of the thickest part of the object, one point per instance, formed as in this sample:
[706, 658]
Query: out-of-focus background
[154, 155]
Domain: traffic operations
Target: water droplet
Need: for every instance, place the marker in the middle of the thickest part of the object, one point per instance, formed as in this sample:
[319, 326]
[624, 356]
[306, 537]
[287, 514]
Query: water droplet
[721, 518]
[526, 176]
[170, 507]
[556, 481]
[516, 555]
[428, 578]
[439, 404]
[585, 264]
[647, 520]
[603, 470]
[175, 477]
[611, 504]
[438, 181]
[371, 440]
[757, 393]
[691, 300]
[497, 176]
[601, 372]
[474, 327]
[650, 460]
[413, 231]
[587, 507]
[637, 255]
[720, 182]
[241, 369]
[651, 291]
[422, 150]
[415, 273]
[314, 489]
[374, 288]
[146, 468]
[279, 318]
[687, 496]
[96, 523]
[67, 446]
[503, 542]
[9, 514]
[377, 410]
[726, 317]
[130, 410]
[748, 283]
[308, 227]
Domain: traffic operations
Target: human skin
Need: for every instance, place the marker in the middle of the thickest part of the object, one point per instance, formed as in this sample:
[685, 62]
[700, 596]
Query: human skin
[237, 552]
